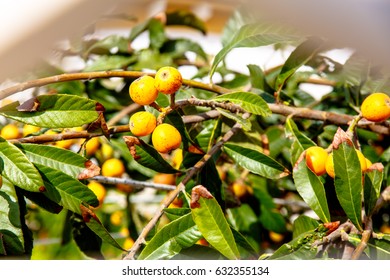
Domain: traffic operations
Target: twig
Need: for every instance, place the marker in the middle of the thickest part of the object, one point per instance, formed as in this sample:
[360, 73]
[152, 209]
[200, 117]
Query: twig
[180, 188]
[134, 183]
[124, 112]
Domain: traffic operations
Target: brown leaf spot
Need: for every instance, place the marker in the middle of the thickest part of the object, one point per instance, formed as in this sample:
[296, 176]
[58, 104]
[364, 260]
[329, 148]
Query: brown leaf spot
[87, 214]
[42, 189]
[340, 137]
[198, 192]
[91, 170]
[31, 105]
[131, 143]
[331, 226]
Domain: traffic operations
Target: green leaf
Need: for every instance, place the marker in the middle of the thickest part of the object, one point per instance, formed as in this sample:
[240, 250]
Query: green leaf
[71, 87]
[245, 123]
[54, 111]
[16, 167]
[179, 47]
[65, 190]
[211, 222]
[105, 45]
[348, 182]
[110, 62]
[11, 234]
[303, 224]
[253, 35]
[175, 213]
[156, 33]
[372, 187]
[258, 78]
[300, 56]
[300, 141]
[171, 239]
[243, 218]
[250, 102]
[93, 223]
[311, 189]
[256, 162]
[67, 161]
[147, 156]
[377, 249]
[186, 18]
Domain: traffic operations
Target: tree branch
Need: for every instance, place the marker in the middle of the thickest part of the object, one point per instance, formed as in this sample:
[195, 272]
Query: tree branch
[134, 183]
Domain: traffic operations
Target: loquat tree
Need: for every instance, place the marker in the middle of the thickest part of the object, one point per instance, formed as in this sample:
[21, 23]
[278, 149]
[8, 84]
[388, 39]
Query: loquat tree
[119, 162]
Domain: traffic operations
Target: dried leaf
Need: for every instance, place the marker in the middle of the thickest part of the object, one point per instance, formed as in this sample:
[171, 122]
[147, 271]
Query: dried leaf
[198, 192]
[340, 137]
[31, 105]
[91, 170]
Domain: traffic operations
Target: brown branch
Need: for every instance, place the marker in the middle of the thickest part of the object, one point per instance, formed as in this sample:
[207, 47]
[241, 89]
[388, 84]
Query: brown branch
[98, 75]
[180, 188]
[134, 183]
[330, 117]
[124, 112]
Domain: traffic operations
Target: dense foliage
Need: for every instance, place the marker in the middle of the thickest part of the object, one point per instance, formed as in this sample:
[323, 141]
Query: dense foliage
[237, 188]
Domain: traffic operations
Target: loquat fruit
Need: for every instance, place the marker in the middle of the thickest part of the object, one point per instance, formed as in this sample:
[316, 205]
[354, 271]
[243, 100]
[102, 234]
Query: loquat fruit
[329, 165]
[142, 123]
[113, 167]
[30, 129]
[316, 159]
[376, 107]
[10, 131]
[142, 91]
[98, 189]
[168, 80]
[166, 138]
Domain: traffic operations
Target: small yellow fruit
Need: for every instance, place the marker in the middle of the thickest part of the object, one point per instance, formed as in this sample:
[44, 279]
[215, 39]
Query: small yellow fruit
[316, 159]
[168, 80]
[166, 179]
[92, 146]
[142, 123]
[113, 167]
[98, 189]
[64, 144]
[239, 189]
[166, 138]
[10, 131]
[129, 242]
[116, 218]
[107, 151]
[142, 90]
[376, 107]
[276, 237]
[177, 158]
[30, 129]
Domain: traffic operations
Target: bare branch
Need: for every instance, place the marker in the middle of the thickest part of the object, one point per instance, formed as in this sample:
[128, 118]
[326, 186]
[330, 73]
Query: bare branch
[134, 183]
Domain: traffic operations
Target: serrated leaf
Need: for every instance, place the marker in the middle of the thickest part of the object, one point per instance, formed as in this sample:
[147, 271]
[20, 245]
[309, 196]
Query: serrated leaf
[65, 190]
[171, 239]
[256, 162]
[67, 161]
[372, 187]
[301, 55]
[311, 189]
[11, 234]
[147, 156]
[16, 167]
[211, 222]
[348, 182]
[245, 123]
[303, 224]
[249, 101]
[54, 111]
[253, 35]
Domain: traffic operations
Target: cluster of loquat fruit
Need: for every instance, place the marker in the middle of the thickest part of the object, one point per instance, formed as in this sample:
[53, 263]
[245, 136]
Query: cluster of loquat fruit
[375, 108]
[144, 91]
